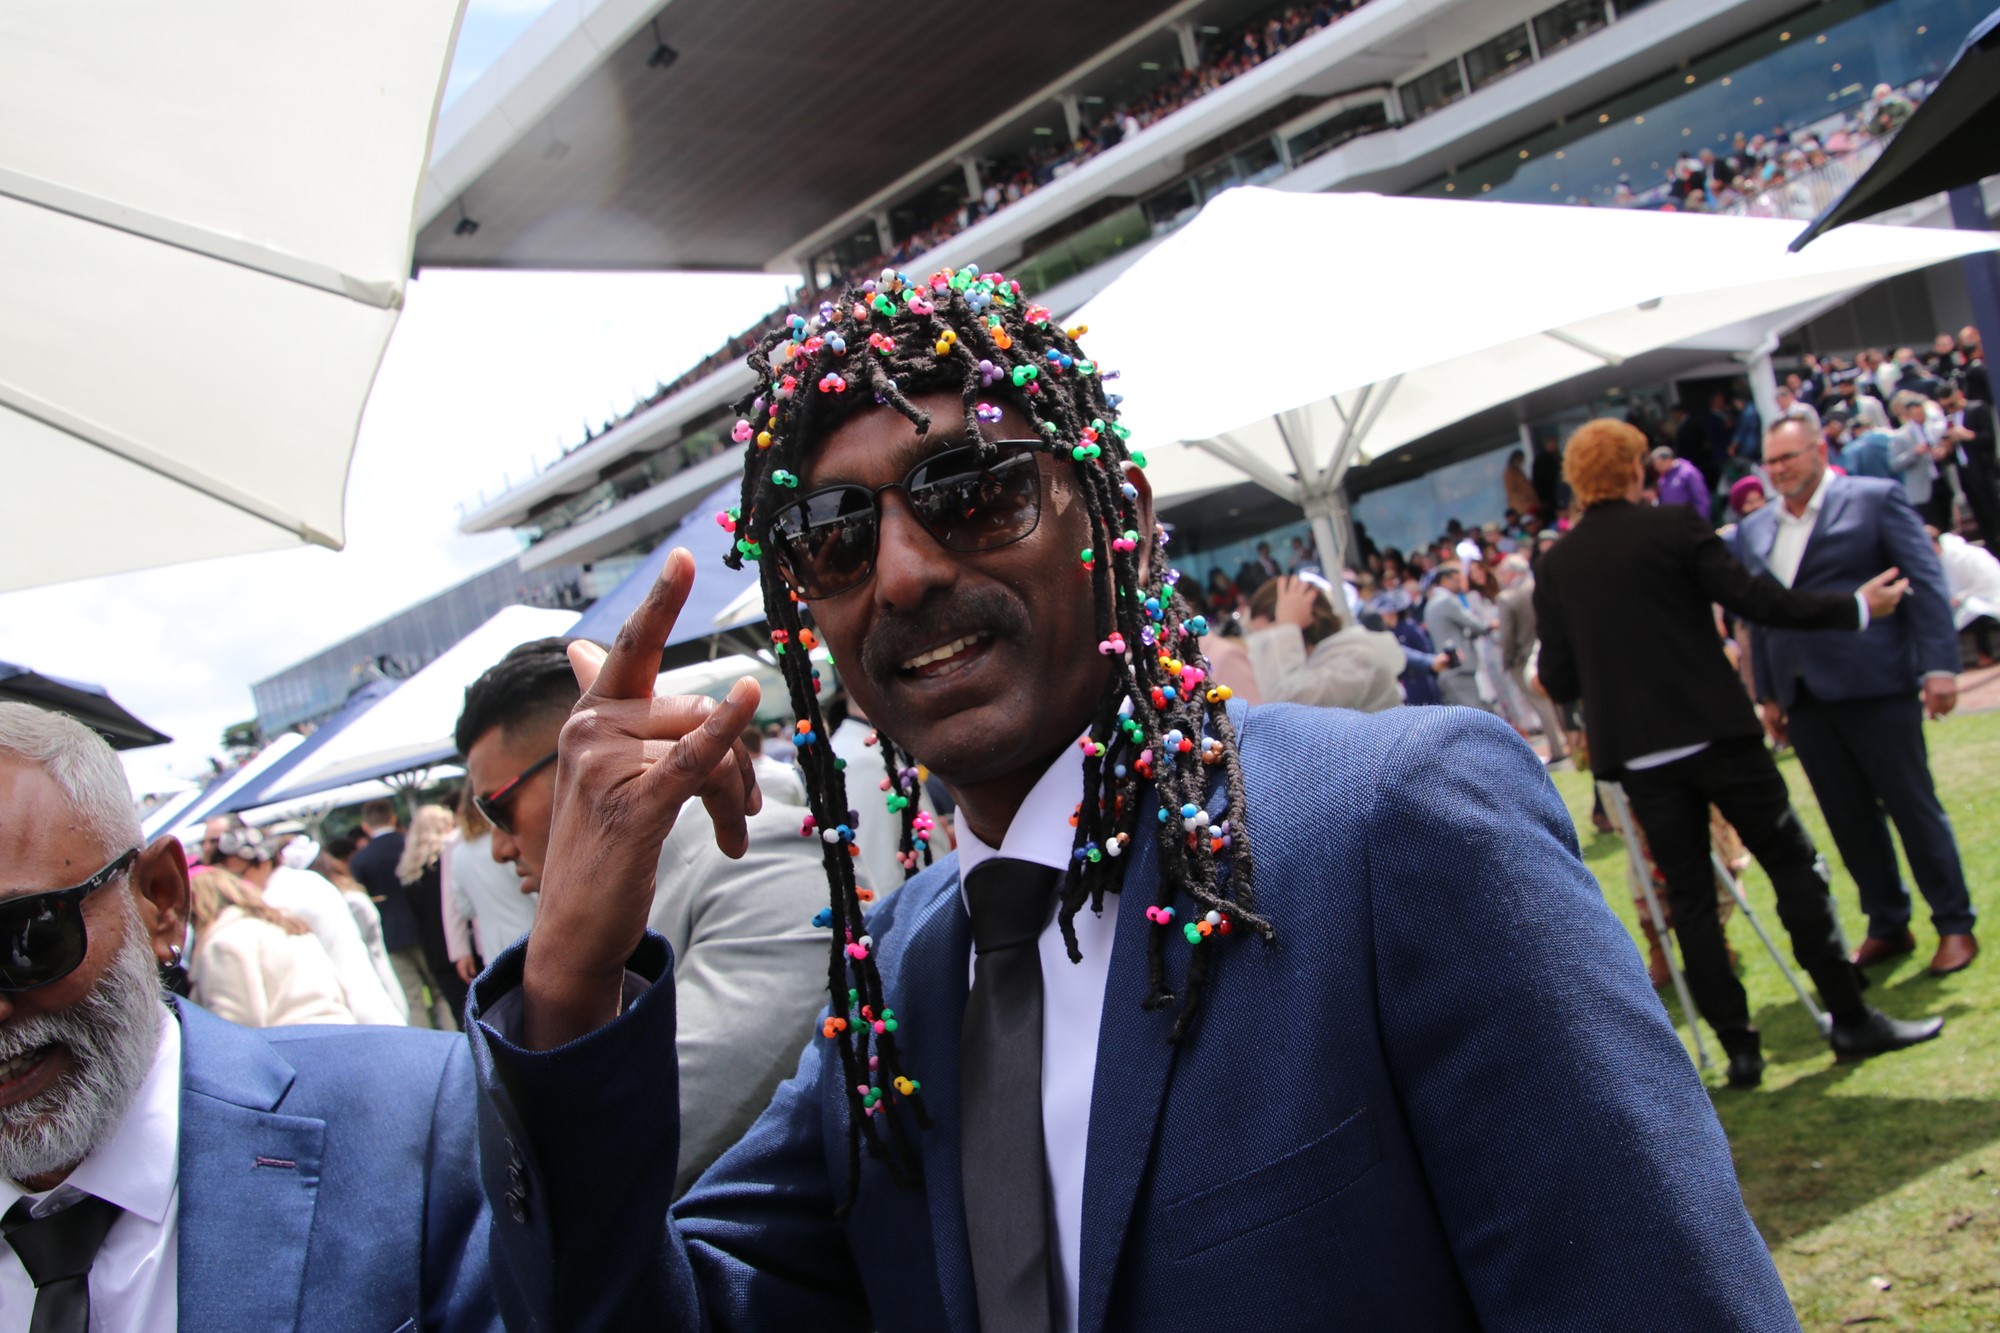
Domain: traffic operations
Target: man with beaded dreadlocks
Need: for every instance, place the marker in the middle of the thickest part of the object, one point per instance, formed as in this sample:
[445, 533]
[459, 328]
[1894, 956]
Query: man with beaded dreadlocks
[1409, 1074]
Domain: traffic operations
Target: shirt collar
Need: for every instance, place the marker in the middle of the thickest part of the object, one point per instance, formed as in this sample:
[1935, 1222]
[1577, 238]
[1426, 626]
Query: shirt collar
[1040, 831]
[138, 1166]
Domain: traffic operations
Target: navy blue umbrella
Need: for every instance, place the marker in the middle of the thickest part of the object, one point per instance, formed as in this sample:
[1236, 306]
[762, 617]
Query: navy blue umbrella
[1953, 139]
[89, 704]
[715, 585]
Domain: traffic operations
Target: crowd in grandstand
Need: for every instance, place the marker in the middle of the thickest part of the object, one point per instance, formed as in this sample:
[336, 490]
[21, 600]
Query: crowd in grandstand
[1012, 179]
[1767, 174]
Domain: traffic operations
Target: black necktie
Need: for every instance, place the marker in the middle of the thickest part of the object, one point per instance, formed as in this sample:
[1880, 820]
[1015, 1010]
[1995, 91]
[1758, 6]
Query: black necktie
[1001, 1160]
[57, 1251]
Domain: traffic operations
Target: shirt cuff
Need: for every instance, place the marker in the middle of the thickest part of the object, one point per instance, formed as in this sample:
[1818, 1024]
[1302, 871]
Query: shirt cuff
[1861, 603]
[1940, 675]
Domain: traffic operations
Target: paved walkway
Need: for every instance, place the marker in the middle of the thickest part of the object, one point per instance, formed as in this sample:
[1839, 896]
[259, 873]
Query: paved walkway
[1979, 689]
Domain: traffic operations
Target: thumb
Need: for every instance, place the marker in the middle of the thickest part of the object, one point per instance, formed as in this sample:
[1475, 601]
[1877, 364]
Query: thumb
[586, 659]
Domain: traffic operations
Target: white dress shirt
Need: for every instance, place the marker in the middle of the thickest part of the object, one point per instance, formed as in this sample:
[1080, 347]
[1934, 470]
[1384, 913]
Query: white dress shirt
[132, 1282]
[1072, 1003]
[1789, 547]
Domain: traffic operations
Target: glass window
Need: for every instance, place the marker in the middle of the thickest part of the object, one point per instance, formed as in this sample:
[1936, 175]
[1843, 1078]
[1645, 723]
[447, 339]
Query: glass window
[1336, 130]
[1502, 55]
[1258, 161]
[1567, 22]
[1427, 92]
[1781, 78]
[1171, 207]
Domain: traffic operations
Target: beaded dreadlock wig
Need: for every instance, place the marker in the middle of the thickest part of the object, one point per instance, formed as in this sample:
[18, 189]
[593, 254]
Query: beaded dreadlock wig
[1160, 724]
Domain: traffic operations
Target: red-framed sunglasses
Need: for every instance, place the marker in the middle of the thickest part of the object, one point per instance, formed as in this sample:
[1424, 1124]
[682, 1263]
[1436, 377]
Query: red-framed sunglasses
[498, 805]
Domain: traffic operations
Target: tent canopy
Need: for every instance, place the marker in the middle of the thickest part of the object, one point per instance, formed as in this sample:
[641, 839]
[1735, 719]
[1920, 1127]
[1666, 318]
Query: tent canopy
[1953, 139]
[250, 794]
[206, 217]
[213, 797]
[89, 704]
[1368, 322]
[716, 585]
[412, 727]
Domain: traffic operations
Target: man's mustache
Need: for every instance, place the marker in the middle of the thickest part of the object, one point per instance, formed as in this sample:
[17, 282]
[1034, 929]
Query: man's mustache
[899, 636]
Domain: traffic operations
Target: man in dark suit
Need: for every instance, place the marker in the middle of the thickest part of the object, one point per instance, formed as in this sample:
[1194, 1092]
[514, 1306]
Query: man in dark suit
[1063, 1084]
[1623, 604]
[1969, 440]
[374, 866]
[162, 1168]
[1854, 707]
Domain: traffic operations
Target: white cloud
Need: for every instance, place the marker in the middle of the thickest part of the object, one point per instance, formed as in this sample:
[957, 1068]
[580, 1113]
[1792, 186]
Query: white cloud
[486, 369]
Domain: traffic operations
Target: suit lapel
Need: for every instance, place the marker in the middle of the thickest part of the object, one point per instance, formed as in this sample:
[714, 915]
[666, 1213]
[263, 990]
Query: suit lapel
[1830, 507]
[249, 1181]
[1134, 1060]
[930, 1045]
[1763, 536]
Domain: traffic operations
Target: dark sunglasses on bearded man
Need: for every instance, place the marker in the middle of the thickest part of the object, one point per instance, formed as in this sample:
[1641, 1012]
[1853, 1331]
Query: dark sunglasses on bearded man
[42, 939]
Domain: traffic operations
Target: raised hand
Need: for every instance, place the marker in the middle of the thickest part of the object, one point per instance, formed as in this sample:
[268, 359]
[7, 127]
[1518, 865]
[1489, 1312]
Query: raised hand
[628, 763]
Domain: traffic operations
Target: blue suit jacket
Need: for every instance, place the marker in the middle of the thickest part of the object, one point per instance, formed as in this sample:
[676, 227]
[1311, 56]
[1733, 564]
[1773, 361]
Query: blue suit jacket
[1865, 525]
[1446, 1098]
[328, 1181]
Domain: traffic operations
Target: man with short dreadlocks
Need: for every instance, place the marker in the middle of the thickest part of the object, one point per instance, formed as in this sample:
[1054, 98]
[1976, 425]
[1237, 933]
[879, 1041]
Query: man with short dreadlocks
[1209, 1022]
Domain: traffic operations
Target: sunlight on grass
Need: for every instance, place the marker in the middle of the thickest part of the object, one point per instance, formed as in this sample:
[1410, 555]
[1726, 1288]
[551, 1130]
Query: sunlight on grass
[1876, 1185]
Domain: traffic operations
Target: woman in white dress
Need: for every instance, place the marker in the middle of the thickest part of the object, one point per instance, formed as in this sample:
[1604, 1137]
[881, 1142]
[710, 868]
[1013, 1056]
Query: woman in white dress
[255, 965]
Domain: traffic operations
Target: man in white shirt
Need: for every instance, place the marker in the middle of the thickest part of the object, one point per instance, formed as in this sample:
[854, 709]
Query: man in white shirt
[163, 1169]
[1853, 706]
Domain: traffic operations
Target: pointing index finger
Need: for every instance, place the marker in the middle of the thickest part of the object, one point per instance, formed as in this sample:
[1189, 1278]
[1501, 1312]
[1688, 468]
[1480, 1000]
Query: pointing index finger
[633, 664]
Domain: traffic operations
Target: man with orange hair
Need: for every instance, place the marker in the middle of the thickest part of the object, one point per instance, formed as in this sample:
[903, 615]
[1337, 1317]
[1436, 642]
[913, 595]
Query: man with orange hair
[1623, 606]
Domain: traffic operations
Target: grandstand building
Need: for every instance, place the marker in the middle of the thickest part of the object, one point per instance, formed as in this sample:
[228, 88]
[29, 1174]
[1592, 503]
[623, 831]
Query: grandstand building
[1058, 141]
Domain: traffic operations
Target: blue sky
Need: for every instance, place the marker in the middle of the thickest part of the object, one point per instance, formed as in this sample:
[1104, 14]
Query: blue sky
[490, 26]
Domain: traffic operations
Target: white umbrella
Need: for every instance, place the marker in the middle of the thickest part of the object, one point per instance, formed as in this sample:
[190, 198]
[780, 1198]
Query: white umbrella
[206, 217]
[1284, 337]
[411, 728]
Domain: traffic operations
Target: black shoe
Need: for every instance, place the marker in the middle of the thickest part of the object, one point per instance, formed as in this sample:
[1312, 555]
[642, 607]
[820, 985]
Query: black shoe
[1880, 1035]
[1746, 1069]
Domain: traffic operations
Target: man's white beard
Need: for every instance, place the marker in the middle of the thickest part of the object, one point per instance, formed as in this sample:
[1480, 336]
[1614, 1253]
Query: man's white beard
[111, 1034]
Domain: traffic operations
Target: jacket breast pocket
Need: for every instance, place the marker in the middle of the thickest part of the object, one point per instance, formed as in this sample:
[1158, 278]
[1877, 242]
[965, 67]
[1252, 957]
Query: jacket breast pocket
[1272, 1193]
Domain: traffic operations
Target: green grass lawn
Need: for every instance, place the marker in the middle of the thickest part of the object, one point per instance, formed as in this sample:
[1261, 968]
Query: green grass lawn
[1877, 1185]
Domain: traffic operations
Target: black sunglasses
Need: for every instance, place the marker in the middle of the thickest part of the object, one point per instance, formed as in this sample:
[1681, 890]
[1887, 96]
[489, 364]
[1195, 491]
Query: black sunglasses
[825, 542]
[498, 805]
[41, 934]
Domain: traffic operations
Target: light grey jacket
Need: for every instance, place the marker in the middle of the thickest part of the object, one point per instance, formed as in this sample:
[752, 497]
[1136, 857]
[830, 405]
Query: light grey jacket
[749, 969]
[1352, 668]
[1453, 627]
[1915, 470]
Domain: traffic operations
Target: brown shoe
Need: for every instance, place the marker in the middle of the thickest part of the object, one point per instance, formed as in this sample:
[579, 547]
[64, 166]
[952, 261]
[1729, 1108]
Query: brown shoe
[1955, 954]
[1873, 951]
